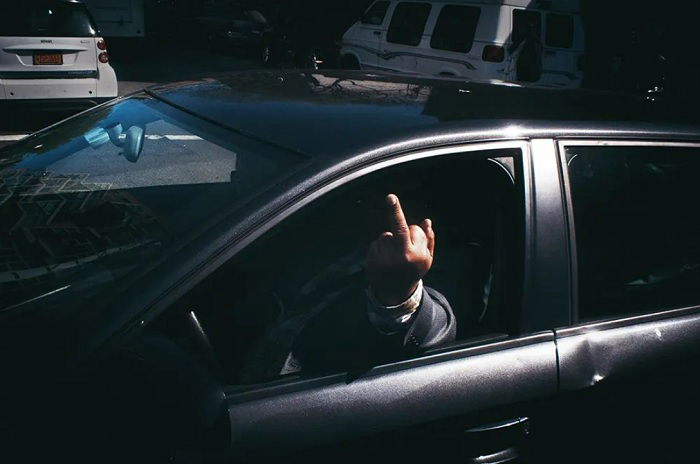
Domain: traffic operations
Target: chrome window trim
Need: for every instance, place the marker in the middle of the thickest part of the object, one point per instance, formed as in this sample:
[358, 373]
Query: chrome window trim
[571, 230]
[624, 321]
[600, 324]
[563, 142]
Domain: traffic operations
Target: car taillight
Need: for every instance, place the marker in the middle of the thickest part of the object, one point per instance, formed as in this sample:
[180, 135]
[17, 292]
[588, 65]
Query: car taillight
[493, 53]
[103, 57]
[101, 44]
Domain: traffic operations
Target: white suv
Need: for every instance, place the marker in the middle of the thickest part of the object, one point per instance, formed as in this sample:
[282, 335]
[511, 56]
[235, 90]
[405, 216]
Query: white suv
[51, 55]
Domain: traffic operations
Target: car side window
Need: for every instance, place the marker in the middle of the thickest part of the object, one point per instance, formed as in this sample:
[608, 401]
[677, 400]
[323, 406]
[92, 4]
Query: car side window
[455, 28]
[637, 228]
[376, 13]
[408, 23]
[311, 266]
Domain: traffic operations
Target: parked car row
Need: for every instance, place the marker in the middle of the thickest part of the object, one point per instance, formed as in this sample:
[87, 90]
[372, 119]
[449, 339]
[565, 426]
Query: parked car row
[517, 41]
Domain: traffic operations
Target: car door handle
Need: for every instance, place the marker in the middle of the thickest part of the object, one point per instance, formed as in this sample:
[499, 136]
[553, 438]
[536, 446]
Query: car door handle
[496, 443]
[519, 421]
[377, 33]
[500, 457]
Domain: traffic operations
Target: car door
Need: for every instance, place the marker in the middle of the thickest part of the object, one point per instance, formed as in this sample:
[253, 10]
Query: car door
[364, 36]
[451, 42]
[628, 363]
[562, 51]
[526, 34]
[479, 397]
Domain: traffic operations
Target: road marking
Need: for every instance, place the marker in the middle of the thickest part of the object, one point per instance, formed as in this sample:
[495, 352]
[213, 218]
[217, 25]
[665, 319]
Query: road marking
[12, 138]
[182, 137]
[16, 137]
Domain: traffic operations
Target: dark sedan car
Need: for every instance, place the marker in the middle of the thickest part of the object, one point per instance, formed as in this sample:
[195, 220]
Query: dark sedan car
[160, 253]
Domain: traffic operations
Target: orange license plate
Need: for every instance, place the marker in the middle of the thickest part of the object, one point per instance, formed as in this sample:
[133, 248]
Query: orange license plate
[48, 58]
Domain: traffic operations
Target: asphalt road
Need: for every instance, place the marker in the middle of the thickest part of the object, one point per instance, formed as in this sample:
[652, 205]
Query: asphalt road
[155, 64]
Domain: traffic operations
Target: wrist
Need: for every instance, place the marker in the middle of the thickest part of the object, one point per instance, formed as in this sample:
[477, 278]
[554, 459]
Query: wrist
[408, 302]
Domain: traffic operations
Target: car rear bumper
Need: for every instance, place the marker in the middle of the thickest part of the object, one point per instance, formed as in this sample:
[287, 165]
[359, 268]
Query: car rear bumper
[52, 104]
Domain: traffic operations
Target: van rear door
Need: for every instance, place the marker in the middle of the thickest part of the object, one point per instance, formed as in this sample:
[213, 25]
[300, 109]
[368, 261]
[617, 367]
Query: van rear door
[48, 40]
[563, 45]
[545, 48]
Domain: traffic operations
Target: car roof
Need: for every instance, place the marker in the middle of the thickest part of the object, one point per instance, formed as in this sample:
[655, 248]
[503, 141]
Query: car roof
[337, 114]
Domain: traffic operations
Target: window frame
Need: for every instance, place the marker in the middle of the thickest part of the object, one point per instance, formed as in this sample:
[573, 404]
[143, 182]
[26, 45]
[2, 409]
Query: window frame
[435, 24]
[427, 22]
[562, 144]
[474, 150]
[386, 13]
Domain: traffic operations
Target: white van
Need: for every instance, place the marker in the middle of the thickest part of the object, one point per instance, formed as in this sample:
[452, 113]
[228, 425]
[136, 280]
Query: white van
[51, 55]
[523, 41]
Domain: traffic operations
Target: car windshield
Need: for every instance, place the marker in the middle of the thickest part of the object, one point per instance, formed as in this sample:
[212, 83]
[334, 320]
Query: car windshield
[46, 18]
[108, 193]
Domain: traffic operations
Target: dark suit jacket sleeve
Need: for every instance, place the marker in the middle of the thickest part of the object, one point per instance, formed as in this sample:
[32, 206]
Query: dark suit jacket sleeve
[342, 336]
[434, 323]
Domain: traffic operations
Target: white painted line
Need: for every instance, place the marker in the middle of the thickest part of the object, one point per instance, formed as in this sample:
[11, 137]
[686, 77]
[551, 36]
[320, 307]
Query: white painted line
[182, 137]
[15, 137]
[12, 138]
[172, 137]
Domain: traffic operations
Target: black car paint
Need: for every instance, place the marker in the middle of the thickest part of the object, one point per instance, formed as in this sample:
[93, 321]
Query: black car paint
[340, 142]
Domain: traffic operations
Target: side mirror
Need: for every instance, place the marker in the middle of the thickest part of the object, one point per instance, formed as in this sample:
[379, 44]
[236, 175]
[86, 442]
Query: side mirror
[133, 143]
[114, 133]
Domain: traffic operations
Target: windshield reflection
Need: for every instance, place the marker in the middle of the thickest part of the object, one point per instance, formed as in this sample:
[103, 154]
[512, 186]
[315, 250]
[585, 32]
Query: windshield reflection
[106, 194]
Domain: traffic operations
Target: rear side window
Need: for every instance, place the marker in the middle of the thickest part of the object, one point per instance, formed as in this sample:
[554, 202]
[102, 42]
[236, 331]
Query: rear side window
[46, 19]
[375, 15]
[408, 23]
[455, 28]
[637, 228]
[559, 31]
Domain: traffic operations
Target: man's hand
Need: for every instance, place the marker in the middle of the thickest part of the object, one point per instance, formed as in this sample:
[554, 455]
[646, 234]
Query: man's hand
[400, 257]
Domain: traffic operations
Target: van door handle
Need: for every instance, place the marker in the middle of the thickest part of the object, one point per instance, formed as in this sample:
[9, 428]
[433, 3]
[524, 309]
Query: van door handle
[377, 33]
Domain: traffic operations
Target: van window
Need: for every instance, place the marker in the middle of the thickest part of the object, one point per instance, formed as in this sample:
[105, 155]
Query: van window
[523, 21]
[408, 23]
[46, 18]
[375, 15]
[560, 30]
[637, 228]
[455, 28]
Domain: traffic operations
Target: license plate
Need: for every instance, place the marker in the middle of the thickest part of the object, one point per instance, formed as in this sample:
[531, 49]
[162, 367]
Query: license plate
[48, 58]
